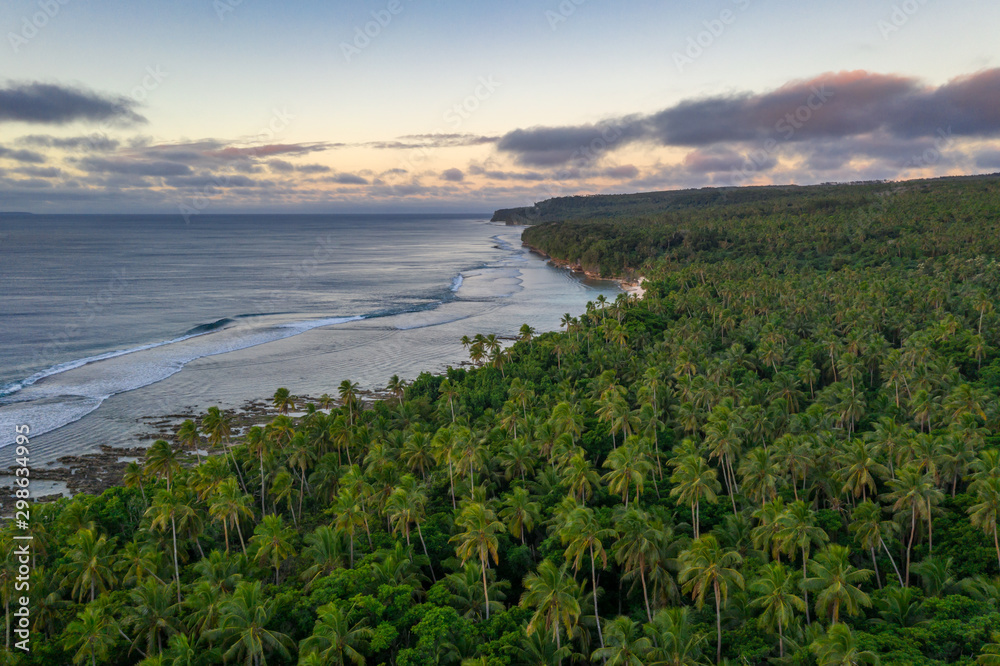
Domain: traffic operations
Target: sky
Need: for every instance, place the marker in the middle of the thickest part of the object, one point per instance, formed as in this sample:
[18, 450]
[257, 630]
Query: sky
[215, 106]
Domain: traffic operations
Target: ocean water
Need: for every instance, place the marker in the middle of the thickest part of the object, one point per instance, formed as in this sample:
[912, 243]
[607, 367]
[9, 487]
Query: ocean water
[106, 319]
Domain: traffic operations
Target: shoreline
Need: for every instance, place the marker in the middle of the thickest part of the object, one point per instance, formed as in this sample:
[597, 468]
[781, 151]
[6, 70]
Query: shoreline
[94, 473]
[633, 288]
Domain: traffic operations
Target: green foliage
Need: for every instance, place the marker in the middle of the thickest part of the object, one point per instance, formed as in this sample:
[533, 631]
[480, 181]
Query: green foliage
[807, 394]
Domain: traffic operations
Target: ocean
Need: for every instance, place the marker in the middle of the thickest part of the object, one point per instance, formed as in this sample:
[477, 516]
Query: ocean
[107, 319]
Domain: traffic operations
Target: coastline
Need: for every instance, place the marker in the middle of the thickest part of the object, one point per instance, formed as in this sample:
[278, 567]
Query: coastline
[633, 288]
[93, 473]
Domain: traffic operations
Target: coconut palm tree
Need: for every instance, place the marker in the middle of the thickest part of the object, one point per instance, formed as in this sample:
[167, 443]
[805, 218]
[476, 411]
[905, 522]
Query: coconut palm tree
[161, 461]
[675, 643]
[189, 437]
[136, 563]
[348, 392]
[478, 539]
[627, 646]
[152, 615]
[335, 640]
[520, 513]
[89, 566]
[799, 532]
[913, 492]
[405, 506]
[839, 648]
[397, 386]
[580, 477]
[218, 427]
[694, 480]
[629, 468]
[870, 531]
[774, 594]
[283, 400]
[637, 547]
[583, 536]
[554, 594]
[229, 505]
[272, 542]
[990, 656]
[242, 630]
[836, 582]
[170, 509]
[349, 516]
[859, 469]
[708, 567]
[135, 477]
[760, 475]
[986, 513]
[324, 551]
[90, 636]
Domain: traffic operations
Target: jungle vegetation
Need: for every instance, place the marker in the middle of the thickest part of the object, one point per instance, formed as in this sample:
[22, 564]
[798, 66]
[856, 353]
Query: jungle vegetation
[786, 453]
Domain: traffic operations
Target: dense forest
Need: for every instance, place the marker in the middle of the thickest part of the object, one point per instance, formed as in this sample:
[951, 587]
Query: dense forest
[825, 226]
[787, 452]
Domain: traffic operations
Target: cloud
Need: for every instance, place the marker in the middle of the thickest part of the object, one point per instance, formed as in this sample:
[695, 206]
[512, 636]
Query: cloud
[988, 159]
[426, 141]
[625, 171]
[269, 150]
[836, 105]
[555, 146]
[453, 175]
[40, 172]
[134, 167]
[59, 105]
[28, 156]
[717, 158]
[313, 168]
[96, 142]
[281, 166]
[348, 179]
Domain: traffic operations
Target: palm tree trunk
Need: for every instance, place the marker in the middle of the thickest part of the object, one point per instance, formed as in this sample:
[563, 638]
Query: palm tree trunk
[225, 531]
[645, 594]
[805, 593]
[486, 591]
[718, 624]
[909, 544]
[995, 542]
[694, 515]
[240, 532]
[263, 510]
[878, 577]
[239, 473]
[930, 529]
[429, 562]
[781, 640]
[451, 484]
[891, 560]
[177, 569]
[593, 578]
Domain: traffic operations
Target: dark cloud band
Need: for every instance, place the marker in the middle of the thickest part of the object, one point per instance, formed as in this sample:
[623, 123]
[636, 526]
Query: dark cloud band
[45, 103]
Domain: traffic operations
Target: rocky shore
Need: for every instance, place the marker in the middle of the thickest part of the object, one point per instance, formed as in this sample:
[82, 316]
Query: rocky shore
[96, 472]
